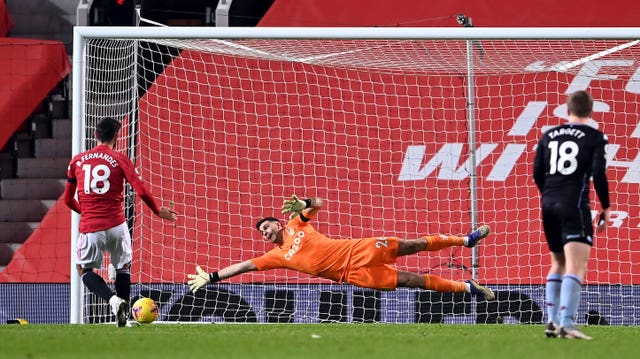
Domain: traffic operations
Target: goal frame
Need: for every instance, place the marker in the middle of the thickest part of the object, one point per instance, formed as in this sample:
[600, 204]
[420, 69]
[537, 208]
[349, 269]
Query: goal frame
[81, 34]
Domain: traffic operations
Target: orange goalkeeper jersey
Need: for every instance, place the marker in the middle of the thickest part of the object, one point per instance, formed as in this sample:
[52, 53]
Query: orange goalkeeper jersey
[306, 250]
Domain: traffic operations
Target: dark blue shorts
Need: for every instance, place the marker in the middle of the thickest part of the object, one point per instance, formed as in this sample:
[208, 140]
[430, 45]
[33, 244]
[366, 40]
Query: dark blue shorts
[564, 223]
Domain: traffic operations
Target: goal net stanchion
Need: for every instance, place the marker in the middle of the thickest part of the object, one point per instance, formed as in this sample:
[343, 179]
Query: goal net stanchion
[403, 132]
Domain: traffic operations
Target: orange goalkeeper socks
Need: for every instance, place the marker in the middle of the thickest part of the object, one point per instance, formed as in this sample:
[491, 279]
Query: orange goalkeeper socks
[438, 242]
[433, 282]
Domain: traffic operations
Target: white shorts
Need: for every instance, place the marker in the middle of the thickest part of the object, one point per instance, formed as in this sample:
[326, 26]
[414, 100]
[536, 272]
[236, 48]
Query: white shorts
[116, 241]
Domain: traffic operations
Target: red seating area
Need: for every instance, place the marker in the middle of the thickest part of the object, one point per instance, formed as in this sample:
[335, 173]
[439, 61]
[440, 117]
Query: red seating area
[6, 23]
[29, 70]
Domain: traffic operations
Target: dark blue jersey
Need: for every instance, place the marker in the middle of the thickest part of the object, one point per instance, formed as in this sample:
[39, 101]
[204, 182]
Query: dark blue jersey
[567, 157]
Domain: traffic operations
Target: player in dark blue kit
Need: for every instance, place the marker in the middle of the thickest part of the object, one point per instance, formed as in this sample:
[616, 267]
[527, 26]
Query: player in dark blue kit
[567, 157]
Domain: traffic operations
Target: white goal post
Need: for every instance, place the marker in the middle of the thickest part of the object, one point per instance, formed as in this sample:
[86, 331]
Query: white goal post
[403, 132]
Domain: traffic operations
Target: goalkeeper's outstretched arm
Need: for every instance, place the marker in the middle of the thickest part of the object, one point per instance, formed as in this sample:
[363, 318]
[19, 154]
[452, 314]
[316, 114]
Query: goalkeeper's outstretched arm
[202, 278]
[307, 207]
[316, 204]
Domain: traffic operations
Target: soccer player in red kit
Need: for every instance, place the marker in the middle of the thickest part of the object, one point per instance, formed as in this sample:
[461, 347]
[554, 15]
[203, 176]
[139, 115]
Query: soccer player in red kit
[364, 262]
[99, 176]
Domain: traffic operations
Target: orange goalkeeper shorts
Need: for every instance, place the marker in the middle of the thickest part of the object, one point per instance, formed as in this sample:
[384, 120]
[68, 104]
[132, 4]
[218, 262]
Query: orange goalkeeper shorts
[369, 264]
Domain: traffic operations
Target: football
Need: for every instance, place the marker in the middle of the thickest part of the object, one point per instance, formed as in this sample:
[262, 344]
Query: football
[144, 310]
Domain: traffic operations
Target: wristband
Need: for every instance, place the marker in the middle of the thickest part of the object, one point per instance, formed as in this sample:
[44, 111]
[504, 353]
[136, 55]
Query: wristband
[214, 277]
[307, 202]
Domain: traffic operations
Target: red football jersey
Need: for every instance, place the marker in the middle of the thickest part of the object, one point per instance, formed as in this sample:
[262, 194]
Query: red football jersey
[99, 175]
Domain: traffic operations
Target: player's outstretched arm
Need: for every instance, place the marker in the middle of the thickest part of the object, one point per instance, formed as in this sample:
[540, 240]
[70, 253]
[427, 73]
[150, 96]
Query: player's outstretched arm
[167, 213]
[202, 278]
[314, 207]
[295, 206]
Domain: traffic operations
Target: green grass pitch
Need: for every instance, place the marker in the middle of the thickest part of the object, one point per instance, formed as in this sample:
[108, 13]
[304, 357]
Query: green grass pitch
[307, 341]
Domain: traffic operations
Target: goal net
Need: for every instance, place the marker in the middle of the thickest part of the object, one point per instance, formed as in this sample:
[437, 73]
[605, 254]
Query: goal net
[402, 132]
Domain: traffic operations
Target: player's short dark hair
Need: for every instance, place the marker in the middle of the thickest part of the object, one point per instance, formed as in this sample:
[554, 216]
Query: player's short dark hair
[580, 104]
[266, 219]
[107, 129]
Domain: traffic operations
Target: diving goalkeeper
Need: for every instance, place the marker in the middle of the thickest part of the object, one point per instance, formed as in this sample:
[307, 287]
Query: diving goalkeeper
[363, 262]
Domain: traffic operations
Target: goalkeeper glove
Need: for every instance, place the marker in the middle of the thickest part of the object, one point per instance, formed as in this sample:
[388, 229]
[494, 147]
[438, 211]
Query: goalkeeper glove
[201, 279]
[295, 206]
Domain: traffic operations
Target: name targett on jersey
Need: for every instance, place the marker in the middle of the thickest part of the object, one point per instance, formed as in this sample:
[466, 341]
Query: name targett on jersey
[99, 155]
[571, 131]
